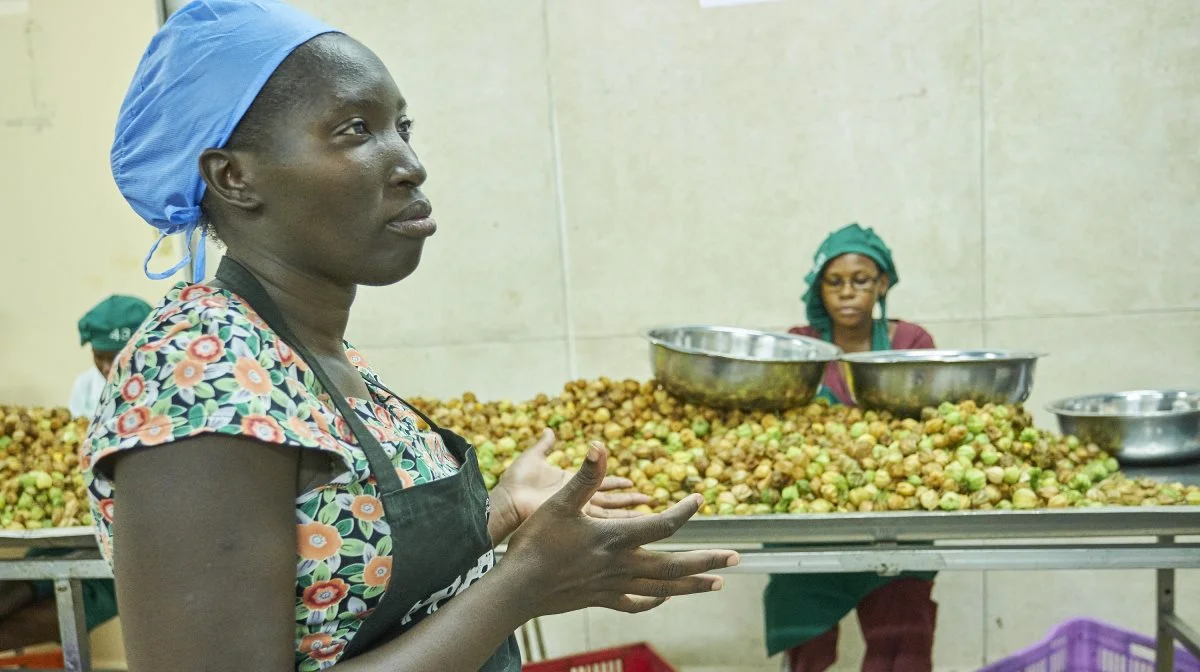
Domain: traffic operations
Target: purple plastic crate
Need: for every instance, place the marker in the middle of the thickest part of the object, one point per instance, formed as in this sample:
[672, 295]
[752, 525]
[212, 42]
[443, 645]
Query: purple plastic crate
[1084, 645]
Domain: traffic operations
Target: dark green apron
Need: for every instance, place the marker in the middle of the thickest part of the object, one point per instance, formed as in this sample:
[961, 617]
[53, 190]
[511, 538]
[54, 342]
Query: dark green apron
[801, 607]
[440, 539]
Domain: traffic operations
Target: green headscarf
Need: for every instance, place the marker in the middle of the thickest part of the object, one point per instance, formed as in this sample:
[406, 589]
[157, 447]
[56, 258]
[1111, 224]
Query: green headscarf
[110, 324]
[852, 239]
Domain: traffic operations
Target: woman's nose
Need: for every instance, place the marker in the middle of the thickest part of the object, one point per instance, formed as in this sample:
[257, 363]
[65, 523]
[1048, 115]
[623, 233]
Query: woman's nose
[406, 167]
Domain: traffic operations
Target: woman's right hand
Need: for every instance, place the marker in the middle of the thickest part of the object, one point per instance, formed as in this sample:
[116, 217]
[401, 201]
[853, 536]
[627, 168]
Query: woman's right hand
[564, 560]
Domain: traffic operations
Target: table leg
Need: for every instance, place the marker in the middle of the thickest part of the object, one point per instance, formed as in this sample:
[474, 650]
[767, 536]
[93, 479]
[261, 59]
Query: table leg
[539, 639]
[526, 647]
[72, 625]
[1164, 656]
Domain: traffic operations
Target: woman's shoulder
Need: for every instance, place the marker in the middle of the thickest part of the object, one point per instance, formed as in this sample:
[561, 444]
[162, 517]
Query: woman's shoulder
[805, 330]
[198, 323]
[189, 306]
[910, 336]
[205, 362]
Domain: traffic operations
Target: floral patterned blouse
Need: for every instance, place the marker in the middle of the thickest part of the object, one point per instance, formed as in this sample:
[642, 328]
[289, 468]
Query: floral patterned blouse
[205, 363]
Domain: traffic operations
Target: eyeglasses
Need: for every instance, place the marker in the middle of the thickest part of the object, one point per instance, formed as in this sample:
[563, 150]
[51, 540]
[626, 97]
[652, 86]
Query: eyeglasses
[859, 284]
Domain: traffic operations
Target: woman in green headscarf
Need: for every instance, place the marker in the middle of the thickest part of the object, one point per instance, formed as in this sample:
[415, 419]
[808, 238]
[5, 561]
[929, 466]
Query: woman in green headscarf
[852, 273]
[107, 327]
[28, 614]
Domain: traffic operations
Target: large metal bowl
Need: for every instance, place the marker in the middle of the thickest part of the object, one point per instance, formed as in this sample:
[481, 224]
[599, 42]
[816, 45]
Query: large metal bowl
[727, 367]
[1144, 426]
[906, 381]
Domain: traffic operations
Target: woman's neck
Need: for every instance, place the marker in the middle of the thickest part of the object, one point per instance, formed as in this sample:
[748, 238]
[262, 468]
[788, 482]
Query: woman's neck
[315, 309]
[854, 339]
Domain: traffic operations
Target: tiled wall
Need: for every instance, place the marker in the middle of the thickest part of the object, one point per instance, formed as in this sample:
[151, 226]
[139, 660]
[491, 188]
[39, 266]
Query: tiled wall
[602, 166]
[67, 238]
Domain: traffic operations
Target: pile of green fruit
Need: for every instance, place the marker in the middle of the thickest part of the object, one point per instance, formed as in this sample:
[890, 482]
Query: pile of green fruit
[40, 481]
[812, 459]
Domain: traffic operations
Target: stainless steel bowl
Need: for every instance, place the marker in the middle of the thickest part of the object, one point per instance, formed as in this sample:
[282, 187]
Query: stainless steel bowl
[729, 367]
[906, 381]
[1144, 426]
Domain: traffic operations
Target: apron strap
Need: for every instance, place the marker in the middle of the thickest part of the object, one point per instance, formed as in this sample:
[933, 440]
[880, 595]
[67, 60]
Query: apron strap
[459, 451]
[414, 409]
[240, 281]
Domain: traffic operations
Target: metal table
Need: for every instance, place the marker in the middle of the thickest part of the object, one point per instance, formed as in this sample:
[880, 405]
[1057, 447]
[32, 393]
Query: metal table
[1047, 539]
[66, 572]
[888, 543]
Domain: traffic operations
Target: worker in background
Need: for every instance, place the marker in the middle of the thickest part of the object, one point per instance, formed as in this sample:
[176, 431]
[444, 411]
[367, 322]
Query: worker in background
[107, 328]
[852, 273]
[28, 615]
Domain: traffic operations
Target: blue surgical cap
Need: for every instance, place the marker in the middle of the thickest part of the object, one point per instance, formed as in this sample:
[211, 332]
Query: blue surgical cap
[199, 75]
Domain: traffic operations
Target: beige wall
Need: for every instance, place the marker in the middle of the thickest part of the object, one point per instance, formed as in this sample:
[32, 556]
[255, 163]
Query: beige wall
[601, 167]
[67, 239]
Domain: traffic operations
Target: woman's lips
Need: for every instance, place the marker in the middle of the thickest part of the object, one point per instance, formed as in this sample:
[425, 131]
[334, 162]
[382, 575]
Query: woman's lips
[419, 228]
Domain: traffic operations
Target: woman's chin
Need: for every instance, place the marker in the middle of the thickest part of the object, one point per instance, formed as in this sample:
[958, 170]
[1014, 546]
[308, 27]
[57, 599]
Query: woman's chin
[851, 320]
[381, 275]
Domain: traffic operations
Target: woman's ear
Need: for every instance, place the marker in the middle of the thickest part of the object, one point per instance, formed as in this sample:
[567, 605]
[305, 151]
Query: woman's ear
[884, 284]
[229, 177]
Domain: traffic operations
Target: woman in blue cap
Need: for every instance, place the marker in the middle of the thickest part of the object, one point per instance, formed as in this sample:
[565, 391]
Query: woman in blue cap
[107, 327]
[851, 275]
[267, 503]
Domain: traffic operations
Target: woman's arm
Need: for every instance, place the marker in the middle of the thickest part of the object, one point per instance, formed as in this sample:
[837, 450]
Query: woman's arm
[205, 561]
[559, 560]
[204, 543]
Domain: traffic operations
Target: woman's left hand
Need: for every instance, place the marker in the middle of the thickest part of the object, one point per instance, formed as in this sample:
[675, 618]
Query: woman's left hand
[531, 480]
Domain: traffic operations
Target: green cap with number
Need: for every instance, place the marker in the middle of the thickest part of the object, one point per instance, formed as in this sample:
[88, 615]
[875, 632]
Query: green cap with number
[111, 323]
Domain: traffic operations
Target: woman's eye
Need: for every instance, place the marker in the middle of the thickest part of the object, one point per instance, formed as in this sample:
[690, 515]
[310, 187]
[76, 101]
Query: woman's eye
[405, 128]
[357, 128]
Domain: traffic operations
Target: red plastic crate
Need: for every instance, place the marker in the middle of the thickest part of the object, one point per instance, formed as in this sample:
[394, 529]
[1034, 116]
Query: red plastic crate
[1084, 645]
[632, 658]
[45, 660]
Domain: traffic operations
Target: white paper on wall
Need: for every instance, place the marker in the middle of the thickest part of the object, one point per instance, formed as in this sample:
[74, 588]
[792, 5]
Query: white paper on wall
[12, 7]
[722, 3]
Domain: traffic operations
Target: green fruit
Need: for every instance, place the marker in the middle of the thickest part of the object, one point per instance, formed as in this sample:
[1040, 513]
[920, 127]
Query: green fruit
[1025, 499]
[950, 501]
[975, 424]
[975, 480]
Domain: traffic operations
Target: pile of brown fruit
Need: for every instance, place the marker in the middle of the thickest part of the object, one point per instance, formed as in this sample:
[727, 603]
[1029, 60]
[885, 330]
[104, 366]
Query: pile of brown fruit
[40, 481]
[813, 459]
